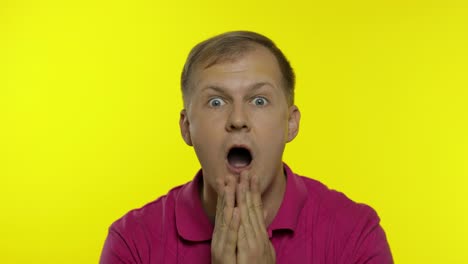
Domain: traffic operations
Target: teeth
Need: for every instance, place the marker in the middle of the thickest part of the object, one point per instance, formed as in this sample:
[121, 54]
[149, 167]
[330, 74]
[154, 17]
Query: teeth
[239, 163]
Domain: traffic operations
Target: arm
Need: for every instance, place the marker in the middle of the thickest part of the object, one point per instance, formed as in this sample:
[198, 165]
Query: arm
[367, 243]
[116, 249]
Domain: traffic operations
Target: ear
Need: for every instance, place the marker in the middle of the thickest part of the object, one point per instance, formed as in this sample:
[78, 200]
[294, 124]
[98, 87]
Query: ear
[293, 122]
[184, 125]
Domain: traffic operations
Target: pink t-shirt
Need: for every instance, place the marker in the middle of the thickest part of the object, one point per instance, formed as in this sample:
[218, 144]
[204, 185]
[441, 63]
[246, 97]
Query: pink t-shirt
[313, 225]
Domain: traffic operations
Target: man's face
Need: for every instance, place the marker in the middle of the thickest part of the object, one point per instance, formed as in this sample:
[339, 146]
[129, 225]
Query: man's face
[237, 118]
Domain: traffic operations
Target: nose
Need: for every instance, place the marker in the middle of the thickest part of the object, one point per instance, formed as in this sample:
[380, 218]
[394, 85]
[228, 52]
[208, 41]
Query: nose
[238, 119]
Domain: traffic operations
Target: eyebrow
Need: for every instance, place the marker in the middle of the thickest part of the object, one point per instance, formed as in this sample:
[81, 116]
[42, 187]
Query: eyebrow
[252, 87]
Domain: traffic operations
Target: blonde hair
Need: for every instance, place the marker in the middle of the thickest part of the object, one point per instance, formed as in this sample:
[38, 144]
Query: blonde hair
[231, 46]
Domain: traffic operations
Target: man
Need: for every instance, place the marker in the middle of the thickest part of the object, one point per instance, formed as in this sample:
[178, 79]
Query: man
[245, 205]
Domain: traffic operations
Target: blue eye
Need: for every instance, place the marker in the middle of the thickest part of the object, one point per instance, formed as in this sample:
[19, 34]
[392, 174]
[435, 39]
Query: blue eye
[259, 101]
[216, 102]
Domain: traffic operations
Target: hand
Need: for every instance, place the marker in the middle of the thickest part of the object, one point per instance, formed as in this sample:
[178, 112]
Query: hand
[224, 241]
[253, 243]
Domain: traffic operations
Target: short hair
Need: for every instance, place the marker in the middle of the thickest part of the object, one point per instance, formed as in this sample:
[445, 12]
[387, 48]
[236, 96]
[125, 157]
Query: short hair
[231, 46]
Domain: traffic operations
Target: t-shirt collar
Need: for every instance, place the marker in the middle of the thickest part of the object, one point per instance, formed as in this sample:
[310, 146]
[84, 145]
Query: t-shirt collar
[294, 199]
[191, 220]
[194, 225]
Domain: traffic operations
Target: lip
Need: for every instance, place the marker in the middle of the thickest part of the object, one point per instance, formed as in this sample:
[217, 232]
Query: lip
[237, 171]
[233, 169]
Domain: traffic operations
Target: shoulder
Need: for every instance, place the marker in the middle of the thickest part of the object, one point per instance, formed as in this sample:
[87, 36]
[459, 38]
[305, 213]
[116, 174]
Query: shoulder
[151, 215]
[353, 228]
[132, 237]
[331, 203]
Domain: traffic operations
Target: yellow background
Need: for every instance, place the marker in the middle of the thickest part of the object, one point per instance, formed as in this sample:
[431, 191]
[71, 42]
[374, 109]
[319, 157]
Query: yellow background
[90, 101]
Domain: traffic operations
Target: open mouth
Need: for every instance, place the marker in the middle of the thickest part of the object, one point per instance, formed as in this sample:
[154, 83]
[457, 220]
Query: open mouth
[239, 157]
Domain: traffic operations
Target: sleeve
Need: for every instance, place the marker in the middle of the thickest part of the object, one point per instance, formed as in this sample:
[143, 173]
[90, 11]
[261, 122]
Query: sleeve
[116, 249]
[367, 242]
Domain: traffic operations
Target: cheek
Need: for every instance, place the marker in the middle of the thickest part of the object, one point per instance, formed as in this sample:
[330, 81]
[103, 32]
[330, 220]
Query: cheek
[205, 130]
[273, 130]
[271, 139]
[207, 138]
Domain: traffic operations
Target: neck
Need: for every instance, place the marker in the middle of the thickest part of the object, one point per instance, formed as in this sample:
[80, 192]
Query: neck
[272, 196]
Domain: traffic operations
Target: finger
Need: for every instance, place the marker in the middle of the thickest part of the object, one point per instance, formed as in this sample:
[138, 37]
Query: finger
[232, 235]
[220, 205]
[242, 243]
[218, 232]
[244, 211]
[257, 202]
[224, 211]
[252, 210]
[230, 191]
[229, 200]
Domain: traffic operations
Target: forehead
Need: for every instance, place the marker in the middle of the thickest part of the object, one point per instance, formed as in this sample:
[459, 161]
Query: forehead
[255, 66]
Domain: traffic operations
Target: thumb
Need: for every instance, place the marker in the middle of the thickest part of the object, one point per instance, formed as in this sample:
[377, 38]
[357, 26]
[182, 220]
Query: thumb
[241, 237]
